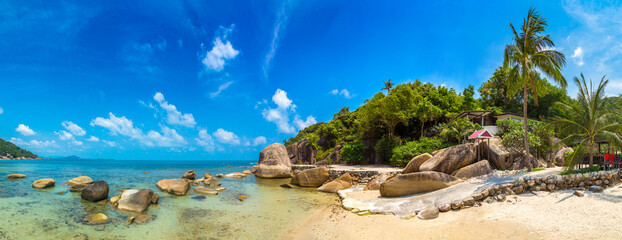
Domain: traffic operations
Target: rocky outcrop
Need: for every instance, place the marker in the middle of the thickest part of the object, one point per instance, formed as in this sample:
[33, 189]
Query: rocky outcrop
[212, 182]
[314, 177]
[274, 162]
[374, 183]
[476, 169]
[451, 159]
[207, 176]
[176, 186]
[301, 152]
[413, 183]
[497, 155]
[205, 191]
[136, 200]
[15, 176]
[43, 183]
[81, 180]
[95, 191]
[342, 182]
[335, 155]
[415, 163]
[520, 161]
[189, 175]
[235, 175]
[558, 157]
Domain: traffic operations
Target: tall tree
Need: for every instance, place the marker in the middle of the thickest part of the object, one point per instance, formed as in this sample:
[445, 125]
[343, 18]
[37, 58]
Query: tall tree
[532, 52]
[592, 117]
[388, 84]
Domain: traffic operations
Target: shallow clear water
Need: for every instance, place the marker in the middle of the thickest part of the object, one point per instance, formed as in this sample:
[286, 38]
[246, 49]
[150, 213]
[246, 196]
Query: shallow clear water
[269, 212]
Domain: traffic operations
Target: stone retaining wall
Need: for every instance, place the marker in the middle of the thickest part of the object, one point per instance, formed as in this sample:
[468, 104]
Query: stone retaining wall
[360, 174]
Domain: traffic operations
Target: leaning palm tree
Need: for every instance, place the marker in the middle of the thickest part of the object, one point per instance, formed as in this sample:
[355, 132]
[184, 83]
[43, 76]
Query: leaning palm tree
[593, 117]
[388, 84]
[532, 52]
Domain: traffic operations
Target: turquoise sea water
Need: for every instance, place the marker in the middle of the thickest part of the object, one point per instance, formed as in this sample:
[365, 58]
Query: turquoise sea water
[270, 212]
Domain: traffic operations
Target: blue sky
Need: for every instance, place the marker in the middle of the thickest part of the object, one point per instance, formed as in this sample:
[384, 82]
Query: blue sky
[222, 79]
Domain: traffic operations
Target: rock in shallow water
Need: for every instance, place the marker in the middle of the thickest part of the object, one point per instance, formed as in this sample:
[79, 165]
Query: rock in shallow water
[96, 218]
[176, 186]
[314, 177]
[43, 183]
[81, 180]
[136, 200]
[15, 176]
[204, 190]
[189, 175]
[95, 191]
[274, 162]
[212, 182]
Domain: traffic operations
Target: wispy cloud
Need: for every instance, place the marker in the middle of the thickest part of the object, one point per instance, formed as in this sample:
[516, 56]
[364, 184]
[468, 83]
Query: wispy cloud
[33, 143]
[167, 137]
[93, 139]
[282, 16]
[221, 52]
[64, 135]
[344, 92]
[173, 116]
[25, 130]
[73, 128]
[221, 88]
[280, 114]
[578, 56]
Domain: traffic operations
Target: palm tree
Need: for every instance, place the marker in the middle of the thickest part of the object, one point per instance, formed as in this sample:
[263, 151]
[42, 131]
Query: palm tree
[531, 53]
[388, 84]
[592, 117]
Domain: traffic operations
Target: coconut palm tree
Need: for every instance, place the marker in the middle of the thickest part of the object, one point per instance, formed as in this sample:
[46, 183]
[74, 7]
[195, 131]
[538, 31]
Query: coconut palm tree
[532, 52]
[592, 117]
[388, 84]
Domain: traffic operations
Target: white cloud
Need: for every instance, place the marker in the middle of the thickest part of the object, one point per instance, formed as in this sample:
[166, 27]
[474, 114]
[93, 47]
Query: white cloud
[300, 124]
[32, 143]
[93, 139]
[227, 137]
[64, 135]
[110, 143]
[344, 92]
[221, 52]
[280, 114]
[77, 143]
[205, 140]
[118, 125]
[168, 138]
[173, 116]
[259, 141]
[74, 128]
[25, 130]
[221, 88]
[578, 55]
[279, 27]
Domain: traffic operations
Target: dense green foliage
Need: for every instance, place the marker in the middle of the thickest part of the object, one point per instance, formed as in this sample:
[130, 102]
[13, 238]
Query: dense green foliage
[352, 152]
[539, 134]
[456, 130]
[14, 151]
[403, 154]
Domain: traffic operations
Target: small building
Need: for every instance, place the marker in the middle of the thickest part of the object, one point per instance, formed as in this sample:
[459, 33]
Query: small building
[487, 119]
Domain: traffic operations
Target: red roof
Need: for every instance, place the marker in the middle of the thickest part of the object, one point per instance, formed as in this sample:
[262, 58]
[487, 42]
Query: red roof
[481, 134]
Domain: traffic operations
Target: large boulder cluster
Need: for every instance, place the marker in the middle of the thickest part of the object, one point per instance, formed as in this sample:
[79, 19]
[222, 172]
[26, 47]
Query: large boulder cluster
[273, 162]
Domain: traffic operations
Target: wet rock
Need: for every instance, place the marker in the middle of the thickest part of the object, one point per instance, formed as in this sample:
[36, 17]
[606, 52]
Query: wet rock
[78, 187]
[428, 213]
[219, 175]
[204, 190]
[43, 183]
[450, 160]
[189, 175]
[81, 180]
[175, 186]
[114, 200]
[274, 162]
[311, 177]
[220, 189]
[61, 193]
[476, 169]
[144, 218]
[415, 163]
[242, 197]
[413, 183]
[342, 182]
[247, 172]
[444, 207]
[578, 193]
[136, 200]
[15, 176]
[96, 218]
[207, 176]
[130, 220]
[374, 183]
[212, 182]
[95, 191]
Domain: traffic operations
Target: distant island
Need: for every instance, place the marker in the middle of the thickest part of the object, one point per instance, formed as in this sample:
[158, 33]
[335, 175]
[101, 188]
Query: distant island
[76, 158]
[9, 150]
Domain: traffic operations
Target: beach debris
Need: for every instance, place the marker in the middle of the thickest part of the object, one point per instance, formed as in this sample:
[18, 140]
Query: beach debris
[242, 197]
[189, 175]
[204, 190]
[212, 182]
[43, 183]
[136, 200]
[313, 177]
[15, 176]
[413, 183]
[428, 213]
[96, 218]
[415, 163]
[95, 191]
[274, 162]
[342, 182]
[174, 186]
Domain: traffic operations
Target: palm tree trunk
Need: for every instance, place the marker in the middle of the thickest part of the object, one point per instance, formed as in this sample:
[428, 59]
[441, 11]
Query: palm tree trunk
[591, 153]
[422, 123]
[525, 99]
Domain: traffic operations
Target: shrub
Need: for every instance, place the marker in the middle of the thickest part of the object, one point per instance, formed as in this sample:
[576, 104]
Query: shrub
[403, 154]
[353, 152]
[384, 147]
[512, 135]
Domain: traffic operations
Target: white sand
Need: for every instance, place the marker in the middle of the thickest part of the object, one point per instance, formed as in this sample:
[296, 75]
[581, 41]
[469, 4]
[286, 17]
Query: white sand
[559, 215]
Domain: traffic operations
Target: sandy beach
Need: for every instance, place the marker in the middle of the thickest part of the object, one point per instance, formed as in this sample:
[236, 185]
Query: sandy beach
[544, 215]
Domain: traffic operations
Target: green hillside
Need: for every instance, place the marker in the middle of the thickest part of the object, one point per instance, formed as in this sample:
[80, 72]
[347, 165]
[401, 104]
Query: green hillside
[8, 148]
